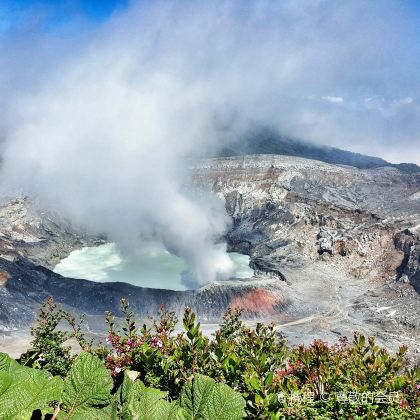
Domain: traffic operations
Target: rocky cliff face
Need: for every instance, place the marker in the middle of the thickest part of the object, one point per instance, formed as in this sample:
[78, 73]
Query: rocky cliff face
[335, 249]
[38, 235]
[290, 210]
[408, 241]
[32, 242]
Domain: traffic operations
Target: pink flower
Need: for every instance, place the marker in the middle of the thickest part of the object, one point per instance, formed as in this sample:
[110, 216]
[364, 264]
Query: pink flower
[130, 342]
[318, 342]
[156, 342]
[281, 373]
[108, 339]
[117, 369]
[342, 343]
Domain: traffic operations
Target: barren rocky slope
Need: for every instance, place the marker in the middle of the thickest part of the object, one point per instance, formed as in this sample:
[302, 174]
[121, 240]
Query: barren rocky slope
[335, 249]
[286, 209]
[344, 240]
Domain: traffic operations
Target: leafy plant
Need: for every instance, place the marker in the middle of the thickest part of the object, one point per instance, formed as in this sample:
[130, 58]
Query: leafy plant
[140, 402]
[23, 390]
[87, 390]
[47, 348]
[203, 398]
[86, 393]
[239, 371]
[258, 364]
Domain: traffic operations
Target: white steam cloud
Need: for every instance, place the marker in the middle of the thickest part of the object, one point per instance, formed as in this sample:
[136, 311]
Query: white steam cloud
[105, 143]
[101, 128]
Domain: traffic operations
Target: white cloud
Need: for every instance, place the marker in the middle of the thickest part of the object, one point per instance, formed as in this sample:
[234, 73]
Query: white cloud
[406, 101]
[333, 99]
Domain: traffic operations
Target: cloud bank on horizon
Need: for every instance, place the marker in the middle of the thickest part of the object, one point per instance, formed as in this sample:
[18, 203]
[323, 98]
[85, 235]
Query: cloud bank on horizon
[100, 114]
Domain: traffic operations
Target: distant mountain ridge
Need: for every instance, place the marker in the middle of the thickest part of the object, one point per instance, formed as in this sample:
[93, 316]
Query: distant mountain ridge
[268, 141]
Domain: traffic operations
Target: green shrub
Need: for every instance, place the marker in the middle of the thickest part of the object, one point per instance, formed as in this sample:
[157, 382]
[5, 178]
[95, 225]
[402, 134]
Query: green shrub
[258, 364]
[239, 371]
[200, 398]
[47, 347]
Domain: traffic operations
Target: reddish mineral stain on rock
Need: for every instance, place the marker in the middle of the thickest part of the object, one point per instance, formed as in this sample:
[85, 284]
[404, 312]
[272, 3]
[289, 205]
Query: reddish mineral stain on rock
[258, 300]
[4, 276]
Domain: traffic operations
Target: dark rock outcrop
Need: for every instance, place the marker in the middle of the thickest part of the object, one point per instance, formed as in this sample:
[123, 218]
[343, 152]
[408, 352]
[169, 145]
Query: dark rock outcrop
[408, 241]
[28, 285]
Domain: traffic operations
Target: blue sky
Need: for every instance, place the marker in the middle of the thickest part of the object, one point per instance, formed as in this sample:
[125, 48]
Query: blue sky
[17, 15]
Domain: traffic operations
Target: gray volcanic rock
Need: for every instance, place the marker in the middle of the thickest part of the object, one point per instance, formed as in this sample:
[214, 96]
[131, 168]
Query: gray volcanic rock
[408, 241]
[295, 209]
[32, 242]
[41, 236]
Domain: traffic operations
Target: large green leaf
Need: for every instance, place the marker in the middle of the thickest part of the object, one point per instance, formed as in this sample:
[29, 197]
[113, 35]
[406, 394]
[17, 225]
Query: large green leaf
[196, 395]
[5, 382]
[205, 399]
[10, 366]
[89, 413]
[140, 402]
[23, 390]
[87, 390]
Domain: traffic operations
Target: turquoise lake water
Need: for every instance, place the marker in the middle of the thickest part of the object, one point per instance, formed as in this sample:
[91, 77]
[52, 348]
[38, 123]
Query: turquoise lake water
[151, 266]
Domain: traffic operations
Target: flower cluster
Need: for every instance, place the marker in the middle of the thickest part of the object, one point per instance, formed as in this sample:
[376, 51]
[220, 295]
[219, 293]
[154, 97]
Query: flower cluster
[156, 342]
[402, 404]
[342, 343]
[126, 349]
[123, 348]
[320, 344]
[116, 363]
